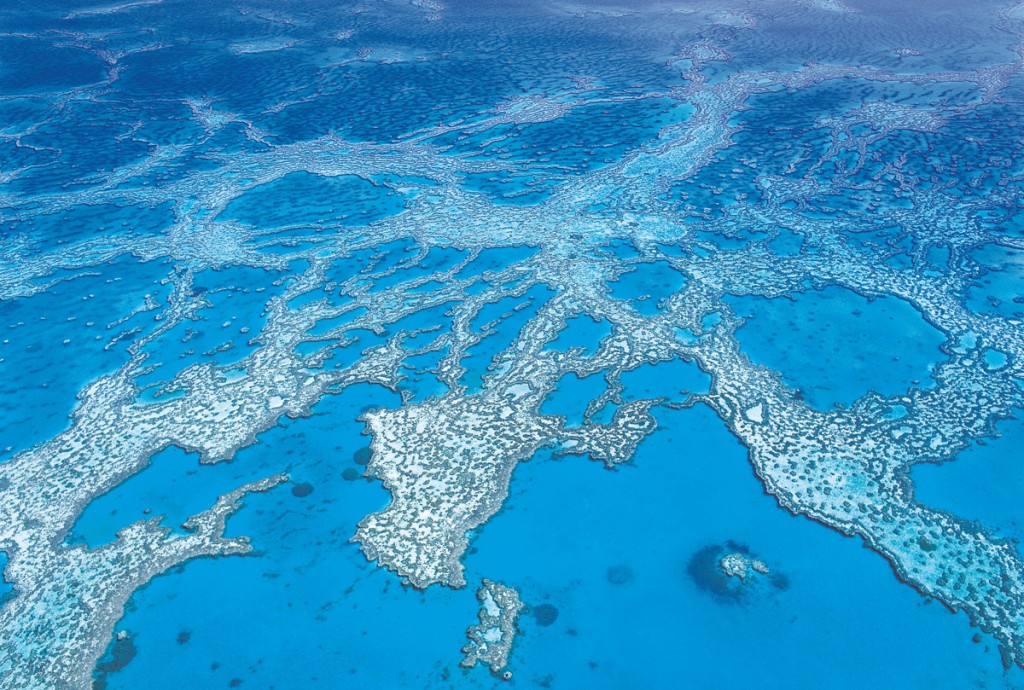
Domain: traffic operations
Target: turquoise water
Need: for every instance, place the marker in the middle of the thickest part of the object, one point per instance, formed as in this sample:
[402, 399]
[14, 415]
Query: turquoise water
[984, 483]
[348, 199]
[647, 284]
[834, 345]
[609, 549]
[690, 487]
[72, 320]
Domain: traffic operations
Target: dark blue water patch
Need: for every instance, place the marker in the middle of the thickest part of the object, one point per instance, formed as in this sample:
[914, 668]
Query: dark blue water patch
[343, 357]
[165, 124]
[734, 240]
[32, 65]
[436, 317]
[1003, 222]
[390, 254]
[934, 156]
[445, 77]
[544, 614]
[303, 489]
[984, 482]
[938, 256]
[989, 132]
[421, 380]
[53, 343]
[500, 337]
[703, 568]
[786, 243]
[117, 656]
[188, 163]
[567, 522]
[647, 284]
[584, 332]
[174, 485]
[222, 332]
[621, 249]
[89, 221]
[584, 139]
[571, 396]
[791, 145]
[91, 138]
[325, 612]
[18, 114]
[236, 83]
[664, 379]
[402, 97]
[305, 198]
[1000, 290]
[834, 345]
[496, 259]
[505, 186]
[442, 259]
[230, 140]
[620, 575]
[6, 588]
[15, 157]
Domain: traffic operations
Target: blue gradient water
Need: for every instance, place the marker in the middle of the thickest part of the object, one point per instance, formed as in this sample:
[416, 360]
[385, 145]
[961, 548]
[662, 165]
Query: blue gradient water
[308, 610]
[621, 555]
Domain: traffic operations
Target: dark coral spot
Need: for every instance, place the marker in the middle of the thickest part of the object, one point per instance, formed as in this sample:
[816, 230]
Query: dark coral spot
[302, 490]
[779, 580]
[184, 636]
[350, 474]
[117, 657]
[620, 575]
[545, 614]
[362, 456]
[704, 571]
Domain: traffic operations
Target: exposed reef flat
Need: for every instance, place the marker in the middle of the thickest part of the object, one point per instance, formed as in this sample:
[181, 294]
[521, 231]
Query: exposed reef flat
[490, 640]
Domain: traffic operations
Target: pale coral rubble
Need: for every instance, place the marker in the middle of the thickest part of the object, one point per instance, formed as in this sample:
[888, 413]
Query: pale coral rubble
[490, 640]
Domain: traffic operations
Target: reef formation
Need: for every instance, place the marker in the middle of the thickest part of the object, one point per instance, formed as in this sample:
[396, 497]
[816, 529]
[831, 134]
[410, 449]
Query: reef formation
[349, 302]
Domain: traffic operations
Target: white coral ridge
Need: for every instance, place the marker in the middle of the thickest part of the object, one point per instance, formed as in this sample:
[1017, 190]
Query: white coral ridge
[738, 565]
[490, 641]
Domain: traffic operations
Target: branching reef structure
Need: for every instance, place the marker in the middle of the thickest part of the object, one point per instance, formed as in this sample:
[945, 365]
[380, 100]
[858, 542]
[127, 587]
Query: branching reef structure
[357, 301]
